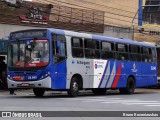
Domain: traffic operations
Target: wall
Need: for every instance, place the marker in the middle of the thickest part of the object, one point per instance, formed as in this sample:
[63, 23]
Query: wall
[117, 12]
[5, 29]
[55, 16]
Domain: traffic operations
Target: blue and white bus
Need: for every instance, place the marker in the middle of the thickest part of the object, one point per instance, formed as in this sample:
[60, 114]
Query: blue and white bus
[54, 59]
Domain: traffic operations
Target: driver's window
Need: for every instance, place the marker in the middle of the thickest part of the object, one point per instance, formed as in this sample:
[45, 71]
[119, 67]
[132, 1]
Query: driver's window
[59, 48]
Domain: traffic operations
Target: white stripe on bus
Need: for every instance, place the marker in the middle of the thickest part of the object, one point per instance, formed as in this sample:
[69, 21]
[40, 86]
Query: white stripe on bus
[110, 81]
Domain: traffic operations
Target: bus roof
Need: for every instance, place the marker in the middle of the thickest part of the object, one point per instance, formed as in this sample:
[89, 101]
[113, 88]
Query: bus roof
[96, 37]
[100, 37]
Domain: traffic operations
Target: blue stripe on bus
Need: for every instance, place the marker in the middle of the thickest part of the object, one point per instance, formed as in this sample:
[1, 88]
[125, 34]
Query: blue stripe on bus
[103, 74]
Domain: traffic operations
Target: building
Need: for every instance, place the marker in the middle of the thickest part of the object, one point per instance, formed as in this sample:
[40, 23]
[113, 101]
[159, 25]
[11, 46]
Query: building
[115, 18]
[124, 14]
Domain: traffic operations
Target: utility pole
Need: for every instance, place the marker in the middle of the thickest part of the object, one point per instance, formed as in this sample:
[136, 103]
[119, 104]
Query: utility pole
[132, 26]
[139, 10]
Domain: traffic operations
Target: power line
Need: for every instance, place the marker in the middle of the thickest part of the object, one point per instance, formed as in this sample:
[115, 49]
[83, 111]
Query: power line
[110, 18]
[93, 9]
[115, 14]
[89, 7]
[107, 6]
[120, 5]
[106, 21]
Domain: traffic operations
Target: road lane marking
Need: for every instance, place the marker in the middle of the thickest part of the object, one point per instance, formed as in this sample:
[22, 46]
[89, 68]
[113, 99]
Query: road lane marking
[104, 100]
[141, 103]
[153, 105]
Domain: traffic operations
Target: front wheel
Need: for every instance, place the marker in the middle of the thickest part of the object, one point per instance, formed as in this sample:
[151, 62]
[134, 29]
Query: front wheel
[158, 86]
[39, 92]
[74, 87]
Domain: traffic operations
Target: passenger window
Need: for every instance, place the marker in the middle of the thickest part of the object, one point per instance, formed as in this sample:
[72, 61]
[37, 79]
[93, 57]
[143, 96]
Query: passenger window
[91, 48]
[107, 50]
[134, 51]
[145, 50]
[121, 51]
[154, 55]
[146, 54]
[77, 47]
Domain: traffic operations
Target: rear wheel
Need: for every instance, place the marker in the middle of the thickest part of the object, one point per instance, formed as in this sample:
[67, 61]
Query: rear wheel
[39, 92]
[158, 86]
[98, 91]
[74, 87]
[129, 88]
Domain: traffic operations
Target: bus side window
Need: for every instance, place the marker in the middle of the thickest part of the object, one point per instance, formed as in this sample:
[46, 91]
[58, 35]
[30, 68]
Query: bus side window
[77, 47]
[59, 48]
[121, 51]
[135, 54]
[153, 55]
[92, 48]
[146, 54]
[107, 50]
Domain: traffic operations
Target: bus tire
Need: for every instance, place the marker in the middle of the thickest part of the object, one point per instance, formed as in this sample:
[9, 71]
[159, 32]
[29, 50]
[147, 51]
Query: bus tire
[74, 87]
[130, 86]
[38, 92]
[158, 86]
[99, 91]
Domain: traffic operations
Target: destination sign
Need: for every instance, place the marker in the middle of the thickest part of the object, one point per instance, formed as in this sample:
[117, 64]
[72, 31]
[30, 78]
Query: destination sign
[28, 34]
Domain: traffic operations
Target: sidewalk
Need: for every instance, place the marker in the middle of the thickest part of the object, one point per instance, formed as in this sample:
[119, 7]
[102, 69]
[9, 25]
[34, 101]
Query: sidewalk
[29, 92]
[19, 92]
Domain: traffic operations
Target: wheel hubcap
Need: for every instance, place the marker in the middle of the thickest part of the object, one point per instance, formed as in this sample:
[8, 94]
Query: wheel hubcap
[75, 87]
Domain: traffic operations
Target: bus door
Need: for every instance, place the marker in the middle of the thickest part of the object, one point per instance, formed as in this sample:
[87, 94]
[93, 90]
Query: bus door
[158, 65]
[148, 65]
[59, 61]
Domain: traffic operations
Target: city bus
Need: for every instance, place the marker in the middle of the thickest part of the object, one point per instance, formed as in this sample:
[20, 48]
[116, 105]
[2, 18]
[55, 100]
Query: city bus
[158, 59]
[62, 60]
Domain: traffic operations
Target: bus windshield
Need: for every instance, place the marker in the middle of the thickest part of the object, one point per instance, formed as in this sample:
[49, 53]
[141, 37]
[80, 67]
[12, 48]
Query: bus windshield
[31, 53]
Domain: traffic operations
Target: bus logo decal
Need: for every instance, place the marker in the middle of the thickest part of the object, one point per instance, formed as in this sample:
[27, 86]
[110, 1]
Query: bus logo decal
[83, 62]
[98, 66]
[153, 67]
[106, 71]
[134, 68]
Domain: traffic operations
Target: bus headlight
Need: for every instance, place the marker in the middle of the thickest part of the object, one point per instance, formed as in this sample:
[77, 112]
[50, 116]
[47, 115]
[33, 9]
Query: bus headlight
[9, 77]
[45, 75]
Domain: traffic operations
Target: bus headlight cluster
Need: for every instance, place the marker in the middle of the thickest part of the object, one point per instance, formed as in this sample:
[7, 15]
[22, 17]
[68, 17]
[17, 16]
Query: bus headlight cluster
[45, 75]
[9, 77]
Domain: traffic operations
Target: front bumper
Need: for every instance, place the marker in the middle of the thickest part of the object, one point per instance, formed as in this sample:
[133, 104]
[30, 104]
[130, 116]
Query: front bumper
[44, 83]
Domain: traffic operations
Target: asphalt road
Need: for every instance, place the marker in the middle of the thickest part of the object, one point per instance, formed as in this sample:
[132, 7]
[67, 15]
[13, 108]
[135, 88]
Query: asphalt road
[24, 100]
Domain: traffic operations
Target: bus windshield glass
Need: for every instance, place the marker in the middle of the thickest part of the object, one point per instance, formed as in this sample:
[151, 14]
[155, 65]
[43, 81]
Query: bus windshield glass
[28, 54]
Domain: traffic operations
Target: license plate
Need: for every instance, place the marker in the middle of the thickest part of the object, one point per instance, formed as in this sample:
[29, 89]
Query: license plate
[25, 84]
